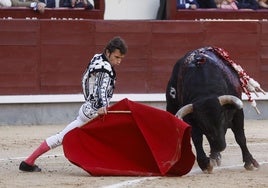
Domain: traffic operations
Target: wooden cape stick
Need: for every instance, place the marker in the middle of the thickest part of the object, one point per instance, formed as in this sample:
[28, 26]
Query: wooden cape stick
[111, 112]
[118, 112]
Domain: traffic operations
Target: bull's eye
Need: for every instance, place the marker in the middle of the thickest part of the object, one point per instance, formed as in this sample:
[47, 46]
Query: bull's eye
[172, 92]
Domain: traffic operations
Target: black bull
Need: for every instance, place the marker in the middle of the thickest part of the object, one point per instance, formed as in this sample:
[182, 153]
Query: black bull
[205, 91]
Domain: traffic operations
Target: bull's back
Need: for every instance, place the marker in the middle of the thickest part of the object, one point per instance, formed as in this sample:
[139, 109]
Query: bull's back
[201, 76]
[210, 78]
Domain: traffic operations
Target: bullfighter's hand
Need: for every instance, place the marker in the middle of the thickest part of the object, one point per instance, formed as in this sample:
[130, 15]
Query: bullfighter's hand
[102, 111]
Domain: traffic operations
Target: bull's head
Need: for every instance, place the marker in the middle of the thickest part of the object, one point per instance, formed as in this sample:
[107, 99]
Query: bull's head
[210, 116]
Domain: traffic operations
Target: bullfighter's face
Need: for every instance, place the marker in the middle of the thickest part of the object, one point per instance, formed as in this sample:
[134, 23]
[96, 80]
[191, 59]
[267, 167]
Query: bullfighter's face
[114, 57]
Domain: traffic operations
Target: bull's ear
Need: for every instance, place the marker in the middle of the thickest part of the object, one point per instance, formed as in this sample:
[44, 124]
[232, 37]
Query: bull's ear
[230, 99]
[185, 110]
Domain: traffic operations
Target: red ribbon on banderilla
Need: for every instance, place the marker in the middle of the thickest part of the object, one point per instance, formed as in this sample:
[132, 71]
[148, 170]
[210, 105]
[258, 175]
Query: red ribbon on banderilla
[248, 84]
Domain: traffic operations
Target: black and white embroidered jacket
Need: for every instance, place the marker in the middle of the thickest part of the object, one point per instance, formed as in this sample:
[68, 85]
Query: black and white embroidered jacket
[98, 82]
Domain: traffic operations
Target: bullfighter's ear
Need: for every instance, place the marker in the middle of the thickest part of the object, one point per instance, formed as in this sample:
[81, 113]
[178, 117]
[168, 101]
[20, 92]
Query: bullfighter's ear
[107, 52]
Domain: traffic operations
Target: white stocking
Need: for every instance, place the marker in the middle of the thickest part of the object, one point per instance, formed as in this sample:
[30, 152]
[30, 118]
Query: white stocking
[56, 140]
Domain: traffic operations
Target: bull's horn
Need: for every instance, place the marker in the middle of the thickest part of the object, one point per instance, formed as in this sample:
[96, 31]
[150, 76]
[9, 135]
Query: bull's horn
[230, 99]
[187, 109]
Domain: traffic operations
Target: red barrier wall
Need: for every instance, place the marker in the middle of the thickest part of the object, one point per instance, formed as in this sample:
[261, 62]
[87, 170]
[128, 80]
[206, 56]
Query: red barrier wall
[49, 56]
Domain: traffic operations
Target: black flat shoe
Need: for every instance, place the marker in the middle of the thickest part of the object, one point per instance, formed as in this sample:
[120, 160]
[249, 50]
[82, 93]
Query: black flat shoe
[29, 168]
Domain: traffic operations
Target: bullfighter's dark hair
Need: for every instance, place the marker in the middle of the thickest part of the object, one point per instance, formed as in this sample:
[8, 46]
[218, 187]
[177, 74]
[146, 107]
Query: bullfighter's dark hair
[117, 43]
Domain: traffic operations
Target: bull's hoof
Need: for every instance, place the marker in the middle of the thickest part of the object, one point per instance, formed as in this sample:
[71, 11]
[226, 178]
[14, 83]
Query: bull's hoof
[215, 162]
[209, 168]
[251, 165]
[218, 161]
[215, 159]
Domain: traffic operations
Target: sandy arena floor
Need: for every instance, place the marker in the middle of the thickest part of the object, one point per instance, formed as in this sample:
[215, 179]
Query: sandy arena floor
[17, 142]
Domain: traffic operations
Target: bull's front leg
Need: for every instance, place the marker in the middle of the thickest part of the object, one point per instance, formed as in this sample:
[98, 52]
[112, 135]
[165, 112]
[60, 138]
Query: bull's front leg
[239, 133]
[201, 157]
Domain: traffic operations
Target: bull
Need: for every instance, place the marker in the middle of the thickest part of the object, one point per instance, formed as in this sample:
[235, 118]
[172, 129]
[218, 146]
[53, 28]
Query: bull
[205, 91]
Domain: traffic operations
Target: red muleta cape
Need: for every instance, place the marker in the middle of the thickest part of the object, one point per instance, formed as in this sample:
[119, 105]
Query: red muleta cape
[145, 142]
